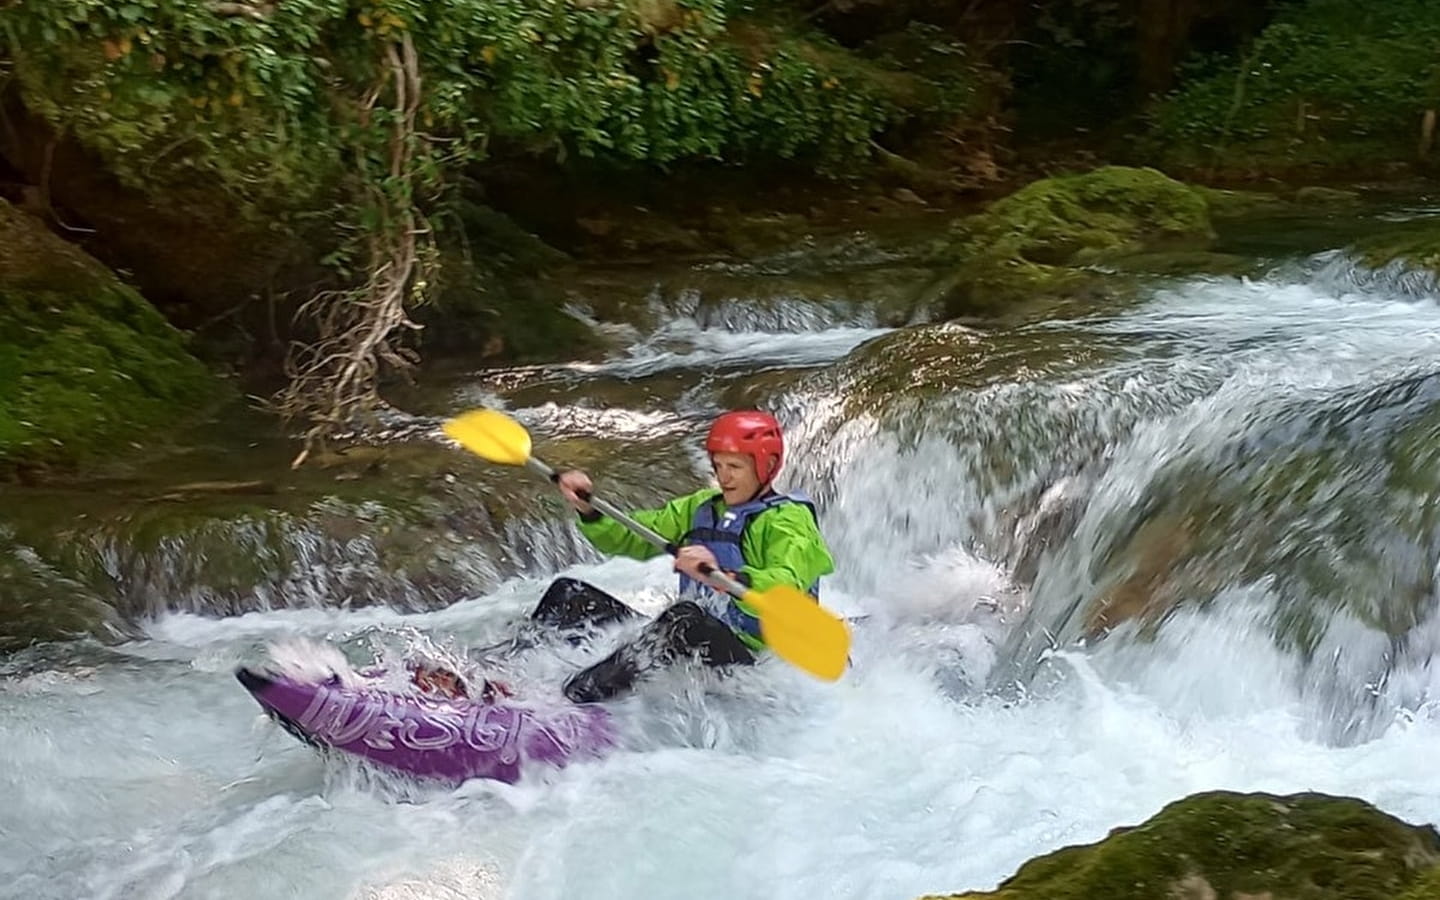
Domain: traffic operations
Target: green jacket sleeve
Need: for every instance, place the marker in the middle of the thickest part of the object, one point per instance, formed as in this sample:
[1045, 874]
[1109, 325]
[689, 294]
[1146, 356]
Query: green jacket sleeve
[671, 521]
[788, 549]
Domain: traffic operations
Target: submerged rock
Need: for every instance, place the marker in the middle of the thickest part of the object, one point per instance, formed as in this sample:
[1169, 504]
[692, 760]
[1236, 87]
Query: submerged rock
[86, 364]
[1315, 195]
[1233, 204]
[1033, 242]
[1230, 846]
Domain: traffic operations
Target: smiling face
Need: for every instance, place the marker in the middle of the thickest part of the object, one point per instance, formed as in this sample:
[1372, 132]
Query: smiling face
[736, 474]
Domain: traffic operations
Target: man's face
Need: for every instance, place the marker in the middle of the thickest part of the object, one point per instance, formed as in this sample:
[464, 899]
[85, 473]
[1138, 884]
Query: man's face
[736, 474]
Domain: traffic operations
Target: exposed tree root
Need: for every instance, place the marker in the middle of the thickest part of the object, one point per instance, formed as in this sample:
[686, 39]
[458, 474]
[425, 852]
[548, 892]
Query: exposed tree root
[361, 333]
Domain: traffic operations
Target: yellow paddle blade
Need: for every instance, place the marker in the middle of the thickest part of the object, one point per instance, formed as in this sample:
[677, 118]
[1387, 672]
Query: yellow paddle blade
[801, 631]
[492, 435]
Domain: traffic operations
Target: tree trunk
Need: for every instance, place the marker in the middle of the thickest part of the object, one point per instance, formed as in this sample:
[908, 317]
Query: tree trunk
[1162, 31]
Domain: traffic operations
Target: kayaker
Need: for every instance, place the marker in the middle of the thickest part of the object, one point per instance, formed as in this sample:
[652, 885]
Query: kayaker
[760, 537]
[438, 680]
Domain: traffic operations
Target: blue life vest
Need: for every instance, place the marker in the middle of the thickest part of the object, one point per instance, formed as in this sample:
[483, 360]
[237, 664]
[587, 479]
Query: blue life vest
[724, 535]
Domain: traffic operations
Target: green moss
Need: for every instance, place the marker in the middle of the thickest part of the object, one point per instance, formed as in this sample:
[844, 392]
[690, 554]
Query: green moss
[1226, 845]
[85, 362]
[1077, 218]
[1418, 245]
[1427, 887]
[1031, 242]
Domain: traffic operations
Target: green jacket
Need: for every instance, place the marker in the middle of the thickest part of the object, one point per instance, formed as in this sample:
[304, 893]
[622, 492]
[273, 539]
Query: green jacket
[782, 545]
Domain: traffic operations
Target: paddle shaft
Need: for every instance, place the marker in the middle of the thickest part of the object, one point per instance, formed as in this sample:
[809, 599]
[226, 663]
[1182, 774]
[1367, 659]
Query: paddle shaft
[722, 580]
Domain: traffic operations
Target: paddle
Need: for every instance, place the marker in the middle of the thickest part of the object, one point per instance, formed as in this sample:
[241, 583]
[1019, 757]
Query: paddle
[793, 624]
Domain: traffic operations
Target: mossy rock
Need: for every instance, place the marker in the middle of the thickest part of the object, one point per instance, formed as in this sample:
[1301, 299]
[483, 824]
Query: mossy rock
[41, 603]
[1326, 197]
[1032, 242]
[86, 363]
[1223, 845]
[413, 526]
[495, 297]
[1225, 204]
[1427, 887]
[1180, 263]
[1417, 246]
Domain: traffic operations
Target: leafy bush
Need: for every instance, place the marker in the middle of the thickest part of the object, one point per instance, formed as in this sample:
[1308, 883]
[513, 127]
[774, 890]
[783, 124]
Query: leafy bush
[269, 98]
[358, 109]
[1328, 81]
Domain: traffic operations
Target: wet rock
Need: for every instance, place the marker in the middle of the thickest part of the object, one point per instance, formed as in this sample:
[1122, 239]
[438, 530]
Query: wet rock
[411, 525]
[1231, 846]
[40, 603]
[754, 234]
[930, 360]
[853, 278]
[1149, 588]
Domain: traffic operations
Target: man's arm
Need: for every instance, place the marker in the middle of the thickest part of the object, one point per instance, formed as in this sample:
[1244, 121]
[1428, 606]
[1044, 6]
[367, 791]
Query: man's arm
[671, 521]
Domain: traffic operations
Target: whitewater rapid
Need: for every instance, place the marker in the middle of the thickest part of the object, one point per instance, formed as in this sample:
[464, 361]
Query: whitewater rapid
[145, 771]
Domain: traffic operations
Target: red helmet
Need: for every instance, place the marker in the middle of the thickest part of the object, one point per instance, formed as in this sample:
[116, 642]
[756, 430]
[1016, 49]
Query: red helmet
[754, 433]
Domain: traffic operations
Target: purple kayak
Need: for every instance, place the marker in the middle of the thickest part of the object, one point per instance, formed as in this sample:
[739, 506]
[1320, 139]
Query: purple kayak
[431, 737]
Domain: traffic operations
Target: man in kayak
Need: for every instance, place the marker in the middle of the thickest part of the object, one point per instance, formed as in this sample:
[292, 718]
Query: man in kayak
[758, 536]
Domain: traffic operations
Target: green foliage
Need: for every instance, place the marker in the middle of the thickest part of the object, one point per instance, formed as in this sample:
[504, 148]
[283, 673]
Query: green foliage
[272, 99]
[167, 87]
[946, 77]
[1328, 81]
[1075, 65]
[360, 111]
[679, 82]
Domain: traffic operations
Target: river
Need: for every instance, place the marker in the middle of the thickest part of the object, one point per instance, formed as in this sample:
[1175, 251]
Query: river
[1103, 559]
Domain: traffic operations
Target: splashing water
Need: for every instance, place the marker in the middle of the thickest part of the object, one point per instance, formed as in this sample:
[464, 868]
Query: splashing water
[979, 530]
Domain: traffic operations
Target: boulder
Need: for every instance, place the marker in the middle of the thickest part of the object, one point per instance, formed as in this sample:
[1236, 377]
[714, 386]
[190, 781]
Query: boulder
[1035, 242]
[86, 363]
[1230, 846]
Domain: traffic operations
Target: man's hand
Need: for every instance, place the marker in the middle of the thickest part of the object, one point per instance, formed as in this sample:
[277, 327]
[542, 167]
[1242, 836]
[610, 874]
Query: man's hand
[691, 558]
[572, 484]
